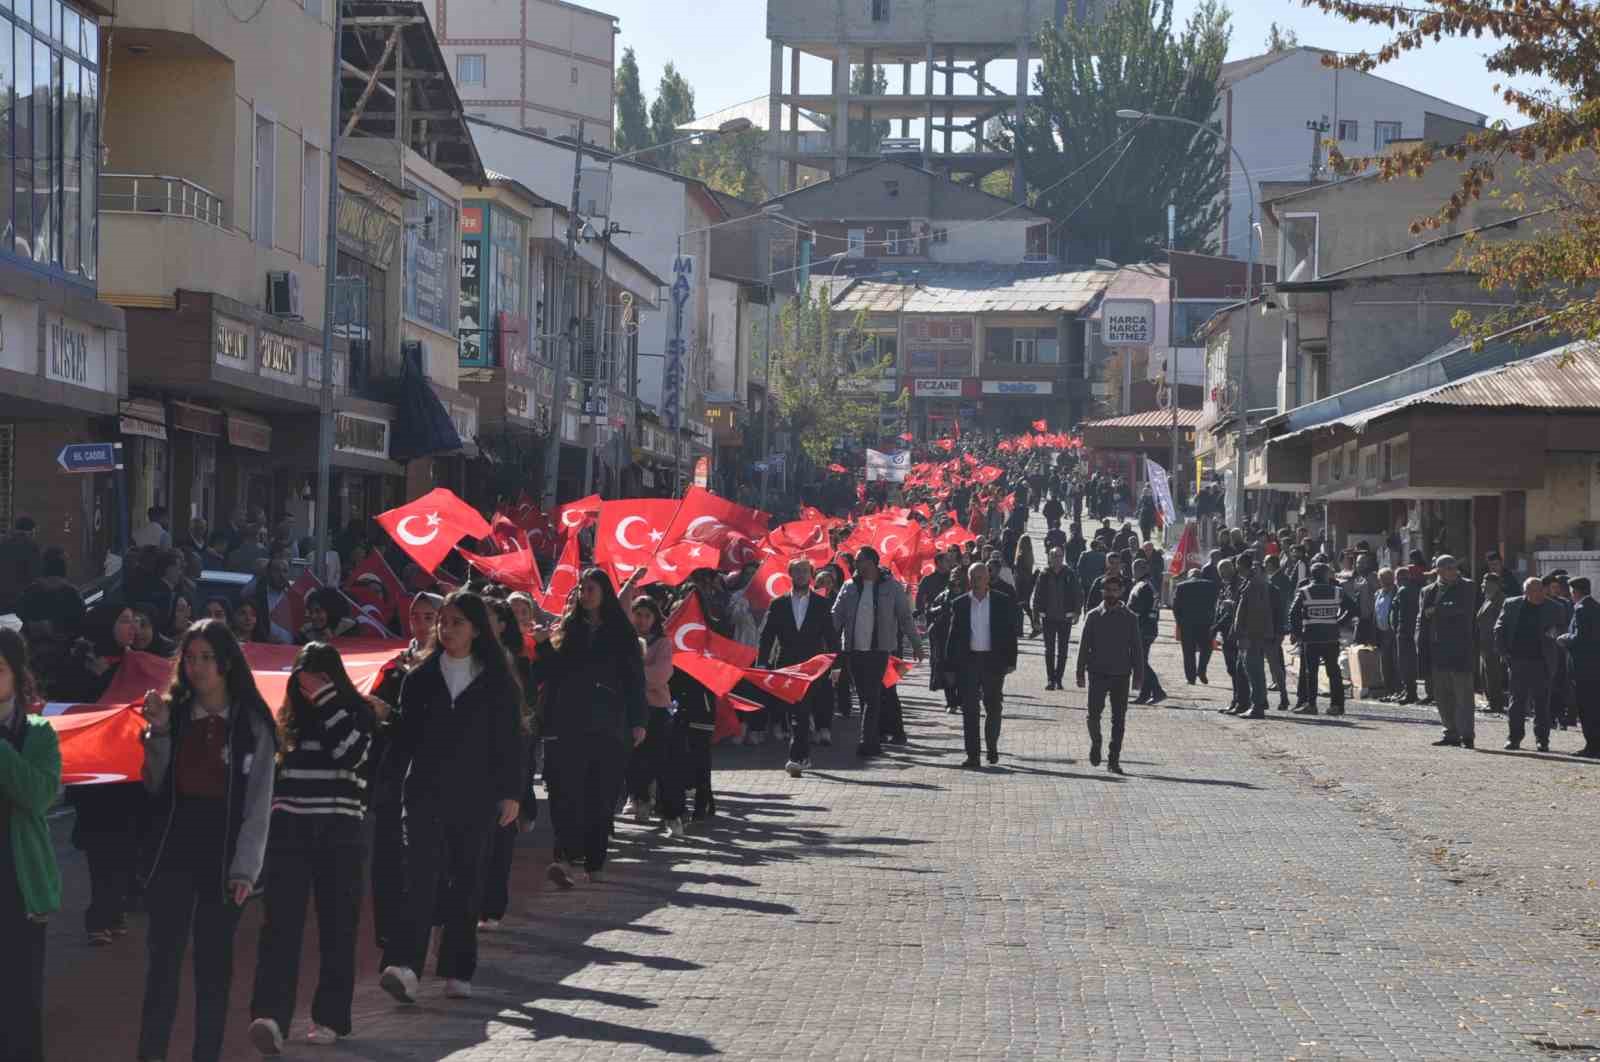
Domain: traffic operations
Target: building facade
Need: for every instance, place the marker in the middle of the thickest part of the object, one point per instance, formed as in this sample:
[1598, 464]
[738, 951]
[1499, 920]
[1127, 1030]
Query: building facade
[540, 65]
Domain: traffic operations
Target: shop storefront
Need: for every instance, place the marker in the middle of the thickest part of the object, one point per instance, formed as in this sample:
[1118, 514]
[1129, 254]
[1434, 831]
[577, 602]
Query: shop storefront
[1010, 406]
[937, 404]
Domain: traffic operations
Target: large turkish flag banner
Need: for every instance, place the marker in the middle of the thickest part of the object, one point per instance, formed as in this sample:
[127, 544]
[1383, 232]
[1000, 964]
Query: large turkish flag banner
[629, 533]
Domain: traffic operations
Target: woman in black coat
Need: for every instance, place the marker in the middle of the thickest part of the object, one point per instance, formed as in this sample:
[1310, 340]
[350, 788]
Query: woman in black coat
[593, 670]
[456, 741]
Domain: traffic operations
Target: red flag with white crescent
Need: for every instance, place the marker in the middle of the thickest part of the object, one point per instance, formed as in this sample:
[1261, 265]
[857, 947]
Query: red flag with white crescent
[770, 583]
[628, 533]
[791, 684]
[428, 528]
[564, 579]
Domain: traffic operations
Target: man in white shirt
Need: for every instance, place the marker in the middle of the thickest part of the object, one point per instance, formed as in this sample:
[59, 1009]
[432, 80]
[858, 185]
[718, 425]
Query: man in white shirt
[798, 628]
[155, 532]
[980, 651]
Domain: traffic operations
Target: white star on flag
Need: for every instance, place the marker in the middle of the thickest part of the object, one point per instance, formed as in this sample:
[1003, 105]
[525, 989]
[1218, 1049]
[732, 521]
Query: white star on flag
[657, 536]
[433, 519]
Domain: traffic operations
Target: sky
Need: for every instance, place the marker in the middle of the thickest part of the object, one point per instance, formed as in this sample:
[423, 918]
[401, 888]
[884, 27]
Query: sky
[721, 47]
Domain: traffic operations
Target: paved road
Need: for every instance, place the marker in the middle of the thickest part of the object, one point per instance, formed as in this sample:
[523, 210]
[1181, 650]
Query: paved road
[1282, 889]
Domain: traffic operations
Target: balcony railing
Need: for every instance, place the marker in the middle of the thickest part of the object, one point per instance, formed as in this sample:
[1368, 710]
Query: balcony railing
[155, 193]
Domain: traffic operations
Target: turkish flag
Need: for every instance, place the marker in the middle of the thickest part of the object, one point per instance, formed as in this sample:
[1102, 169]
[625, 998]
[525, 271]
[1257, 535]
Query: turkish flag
[1187, 554]
[574, 515]
[564, 579]
[970, 460]
[428, 528]
[987, 474]
[673, 565]
[519, 570]
[727, 722]
[712, 519]
[717, 663]
[290, 613]
[906, 436]
[791, 684]
[770, 583]
[99, 744]
[895, 670]
[956, 536]
[374, 583]
[630, 532]
[1041, 425]
[945, 444]
[838, 469]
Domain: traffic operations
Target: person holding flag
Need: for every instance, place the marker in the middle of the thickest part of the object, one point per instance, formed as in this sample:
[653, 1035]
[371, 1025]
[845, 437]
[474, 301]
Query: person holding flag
[798, 628]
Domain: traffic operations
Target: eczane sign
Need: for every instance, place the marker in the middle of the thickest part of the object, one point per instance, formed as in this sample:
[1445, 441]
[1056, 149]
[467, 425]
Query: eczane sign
[1128, 322]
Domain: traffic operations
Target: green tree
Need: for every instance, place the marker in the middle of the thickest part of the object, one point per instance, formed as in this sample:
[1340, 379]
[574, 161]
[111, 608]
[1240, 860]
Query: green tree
[733, 164]
[673, 108]
[817, 389]
[1281, 40]
[633, 121]
[1105, 180]
[865, 137]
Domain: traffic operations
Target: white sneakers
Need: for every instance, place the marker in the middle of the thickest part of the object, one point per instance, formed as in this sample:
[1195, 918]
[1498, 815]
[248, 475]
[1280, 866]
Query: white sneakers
[794, 768]
[266, 1037]
[322, 1036]
[454, 989]
[488, 925]
[400, 982]
[675, 828]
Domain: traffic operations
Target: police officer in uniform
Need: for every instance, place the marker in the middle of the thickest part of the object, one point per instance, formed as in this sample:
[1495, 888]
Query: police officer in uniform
[1319, 609]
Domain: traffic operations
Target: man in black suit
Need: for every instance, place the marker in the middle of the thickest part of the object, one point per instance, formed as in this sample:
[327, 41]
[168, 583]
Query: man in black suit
[1194, 606]
[800, 626]
[980, 651]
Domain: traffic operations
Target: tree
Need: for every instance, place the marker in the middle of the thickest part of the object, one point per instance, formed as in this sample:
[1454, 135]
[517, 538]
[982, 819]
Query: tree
[866, 137]
[1107, 181]
[816, 387]
[1552, 269]
[734, 164]
[672, 110]
[1281, 40]
[633, 123]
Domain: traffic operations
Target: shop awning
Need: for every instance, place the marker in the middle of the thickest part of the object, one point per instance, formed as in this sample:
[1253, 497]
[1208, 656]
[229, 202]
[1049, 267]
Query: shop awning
[422, 423]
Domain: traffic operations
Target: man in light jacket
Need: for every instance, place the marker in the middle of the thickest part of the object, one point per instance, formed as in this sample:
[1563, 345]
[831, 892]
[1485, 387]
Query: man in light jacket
[871, 616]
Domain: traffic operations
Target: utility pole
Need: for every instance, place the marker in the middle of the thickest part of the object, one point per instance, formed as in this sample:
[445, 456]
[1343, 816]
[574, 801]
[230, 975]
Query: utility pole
[330, 273]
[1318, 128]
[1172, 346]
[601, 331]
[558, 398]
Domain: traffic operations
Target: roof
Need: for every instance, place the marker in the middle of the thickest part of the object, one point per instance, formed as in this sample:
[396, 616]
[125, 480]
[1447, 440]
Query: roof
[757, 111]
[1236, 71]
[1562, 379]
[1142, 280]
[1002, 207]
[977, 291]
[1154, 418]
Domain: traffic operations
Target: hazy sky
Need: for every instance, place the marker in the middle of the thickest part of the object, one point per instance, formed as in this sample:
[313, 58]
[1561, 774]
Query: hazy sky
[720, 46]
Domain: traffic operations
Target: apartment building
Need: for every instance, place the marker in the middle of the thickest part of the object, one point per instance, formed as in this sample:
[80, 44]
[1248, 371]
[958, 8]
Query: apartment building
[540, 65]
[63, 359]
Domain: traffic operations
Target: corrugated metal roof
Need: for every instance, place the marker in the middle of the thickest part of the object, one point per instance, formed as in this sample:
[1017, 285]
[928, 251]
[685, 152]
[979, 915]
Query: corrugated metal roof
[981, 291]
[1155, 418]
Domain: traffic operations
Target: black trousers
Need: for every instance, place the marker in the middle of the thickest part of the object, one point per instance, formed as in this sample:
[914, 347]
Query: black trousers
[1327, 655]
[497, 871]
[1057, 647]
[1530, 695]
[866, 675]
[814, 709]
[187, 899]
[111, 860]
[388, 870]
[21, 981]
[1588, 694]
[310, 858]
[891, 717]
[1196, 651]
[1114, 687]
[982, 686]
[843, 691]
[444, 879]
[646, 759]
[583, 806]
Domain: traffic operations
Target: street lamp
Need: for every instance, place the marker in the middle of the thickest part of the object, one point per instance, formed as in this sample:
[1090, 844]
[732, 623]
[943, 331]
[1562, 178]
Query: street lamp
[1242, 443]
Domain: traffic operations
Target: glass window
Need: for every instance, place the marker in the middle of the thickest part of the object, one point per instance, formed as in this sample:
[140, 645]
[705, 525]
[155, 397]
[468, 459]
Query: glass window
[7, 170]
[508, 242]
[46, 79]
[1349, 130]
[430, 258]
[470, 69]
[311, 237]
[266, 178]
[71, 166]
[89, 229]
[1383, 132]
[1297, 259]
[72, 30]
[1187, 317]
[22, 147]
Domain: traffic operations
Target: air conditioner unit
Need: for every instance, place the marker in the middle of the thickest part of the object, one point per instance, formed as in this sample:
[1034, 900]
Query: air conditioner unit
[283, 293]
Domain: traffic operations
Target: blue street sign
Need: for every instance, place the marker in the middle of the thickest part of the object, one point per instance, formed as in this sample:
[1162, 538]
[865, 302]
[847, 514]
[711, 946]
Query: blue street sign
[90, 457]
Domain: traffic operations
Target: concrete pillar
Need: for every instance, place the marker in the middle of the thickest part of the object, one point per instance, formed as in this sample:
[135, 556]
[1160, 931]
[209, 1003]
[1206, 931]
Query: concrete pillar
[867, 57]
[794, 117]
[905, 90]
[1019, 186]
[775, 122]
[949, 112]
[841, 111]
[927, 118]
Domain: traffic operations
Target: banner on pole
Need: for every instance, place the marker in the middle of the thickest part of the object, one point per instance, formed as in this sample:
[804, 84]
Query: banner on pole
[1161, 487]
[890, 467]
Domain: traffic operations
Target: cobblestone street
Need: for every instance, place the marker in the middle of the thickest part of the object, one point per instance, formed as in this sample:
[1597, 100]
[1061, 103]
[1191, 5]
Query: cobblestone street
[1290, 888]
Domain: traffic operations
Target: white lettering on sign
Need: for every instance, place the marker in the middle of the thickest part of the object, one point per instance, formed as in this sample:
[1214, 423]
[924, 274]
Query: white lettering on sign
[232, 343]
[279, 356]
[939, 387]
[75, 353]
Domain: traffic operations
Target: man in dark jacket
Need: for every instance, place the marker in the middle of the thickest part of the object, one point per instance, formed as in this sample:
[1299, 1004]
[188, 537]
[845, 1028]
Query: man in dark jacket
[1582, 643]
[1281, 588]
[1491, 665]
[1053, 511]
[19, 562]
[1320, 608]
[1194, 606]
[799, 627]
[1526, 636]
[1403, 618]
[1447, 626]
[1145, 604]
[1091, 566]
[1254, 625]
[1057, 598]
[980, 651]
[1110, 651]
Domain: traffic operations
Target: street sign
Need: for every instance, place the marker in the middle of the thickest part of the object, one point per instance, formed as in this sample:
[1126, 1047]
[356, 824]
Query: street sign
[1128, 322]
[90, 457]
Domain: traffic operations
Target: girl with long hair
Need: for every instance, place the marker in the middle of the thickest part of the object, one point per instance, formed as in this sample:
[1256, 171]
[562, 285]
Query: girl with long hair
[30, 882]
[456, 742]
[327, 616]
[317, 848]
[593, 671]
[1025, 570]
[503, 846]
[209, 751]
[656, 763]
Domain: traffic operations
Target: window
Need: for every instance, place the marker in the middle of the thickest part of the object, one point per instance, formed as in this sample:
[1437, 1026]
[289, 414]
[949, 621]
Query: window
[574, 75]
[892, 189]
[265, 178]
[891, 243]
[1383, 132]
[1297, 247]
[1188, 315]
[1319, 380]
[1021, 346]
[310, 206]
[430, 259]
[856, 243]
[470, 69]
[1349, 130]
[878, 10]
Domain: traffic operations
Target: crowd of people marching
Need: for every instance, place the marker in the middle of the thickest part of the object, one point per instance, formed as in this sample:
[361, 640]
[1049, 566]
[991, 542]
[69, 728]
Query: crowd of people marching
[601, 661]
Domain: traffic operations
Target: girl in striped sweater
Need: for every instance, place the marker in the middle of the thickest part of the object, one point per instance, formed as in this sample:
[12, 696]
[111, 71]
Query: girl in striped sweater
[317, 847]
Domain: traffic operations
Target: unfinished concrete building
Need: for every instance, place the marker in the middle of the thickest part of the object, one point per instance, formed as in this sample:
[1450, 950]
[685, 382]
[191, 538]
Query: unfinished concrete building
[945, 38]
